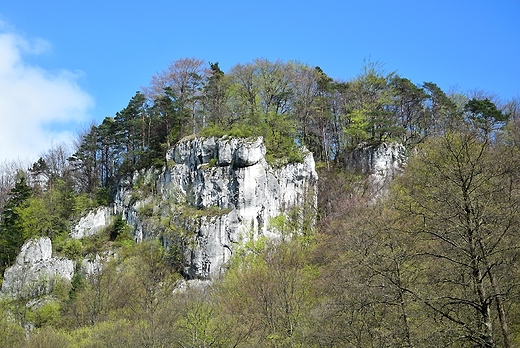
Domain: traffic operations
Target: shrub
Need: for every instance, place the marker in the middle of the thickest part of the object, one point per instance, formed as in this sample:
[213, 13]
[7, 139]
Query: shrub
[103, 196]
[118, 227]
[47, 314]
[72, 248]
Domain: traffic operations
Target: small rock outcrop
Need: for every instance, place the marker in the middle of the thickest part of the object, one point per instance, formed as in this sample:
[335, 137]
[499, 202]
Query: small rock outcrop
[36, 271]
[92, 223]
[217, 193]
[382, 163]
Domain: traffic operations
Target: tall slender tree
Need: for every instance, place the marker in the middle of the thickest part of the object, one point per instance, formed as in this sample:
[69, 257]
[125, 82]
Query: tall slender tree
[215, 95]
[11, 232]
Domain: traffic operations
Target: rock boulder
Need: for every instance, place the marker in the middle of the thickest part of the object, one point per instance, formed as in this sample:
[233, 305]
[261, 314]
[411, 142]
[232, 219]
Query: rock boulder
[36, 271]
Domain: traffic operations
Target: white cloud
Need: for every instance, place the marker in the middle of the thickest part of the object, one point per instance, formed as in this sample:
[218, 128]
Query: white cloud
[36, 105]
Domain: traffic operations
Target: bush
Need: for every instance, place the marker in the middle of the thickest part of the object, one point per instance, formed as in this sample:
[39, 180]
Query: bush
[47, 314]
[278, 132]
[103, 196]
[82, 202]
[11, 333]
[48, 337]
[118, 227]
[237, 130]
[72, 248]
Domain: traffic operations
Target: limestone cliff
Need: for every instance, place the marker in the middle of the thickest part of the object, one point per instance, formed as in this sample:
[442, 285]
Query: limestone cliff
[214, 194]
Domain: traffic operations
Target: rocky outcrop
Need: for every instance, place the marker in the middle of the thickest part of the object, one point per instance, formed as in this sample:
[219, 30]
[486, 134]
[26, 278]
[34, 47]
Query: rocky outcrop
[381, 163]
[92, 223]
[36, 271]
[93, 265]
[215, 194]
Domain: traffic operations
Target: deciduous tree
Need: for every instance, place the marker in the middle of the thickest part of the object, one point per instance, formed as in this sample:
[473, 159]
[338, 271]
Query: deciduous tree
[463, 195]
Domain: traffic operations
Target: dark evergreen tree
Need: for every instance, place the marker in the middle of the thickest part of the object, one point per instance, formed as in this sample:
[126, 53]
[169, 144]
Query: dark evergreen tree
[11, 233]
[441, 110]
[131, 134]
[85, 162]
[410, 123]
[485, 115]
[110, 152]
[214, 97]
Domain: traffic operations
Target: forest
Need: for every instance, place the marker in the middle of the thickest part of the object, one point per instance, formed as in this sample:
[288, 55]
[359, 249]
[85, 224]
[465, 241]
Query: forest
[432, 264]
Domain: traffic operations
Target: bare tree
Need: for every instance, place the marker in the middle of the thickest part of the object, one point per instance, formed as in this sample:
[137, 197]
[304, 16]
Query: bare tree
[185, 78]
[462, 193]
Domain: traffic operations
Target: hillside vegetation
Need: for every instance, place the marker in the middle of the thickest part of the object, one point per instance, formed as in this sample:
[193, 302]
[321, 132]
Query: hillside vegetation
[433, 264]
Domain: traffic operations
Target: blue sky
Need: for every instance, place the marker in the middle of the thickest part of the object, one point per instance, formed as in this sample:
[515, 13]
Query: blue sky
[64, 64]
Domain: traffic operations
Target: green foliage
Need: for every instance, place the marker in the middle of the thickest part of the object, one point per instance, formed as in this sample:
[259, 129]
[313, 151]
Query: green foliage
[278, 134]
[36, 219]
[198, 325]
[11, 229]
[146, 209]
[297, 223]
[359, 126]
[484, 114]
[82, 203]
[76, 284]
[96, 243]
[266, 296]
[279, 140]
[237, 130]
[211, 164]
[103, 196]
[11, 333]
[49, 214]
[458, 199]
[47, 314]
[49, 337]
[72, 248]
[119, 229]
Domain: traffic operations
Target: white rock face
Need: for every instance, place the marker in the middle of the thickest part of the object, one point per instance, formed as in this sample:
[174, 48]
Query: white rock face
[234, 191]
[382, 163]
[92, 265]
[36, 270]
[34, 251]
[92, 223]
